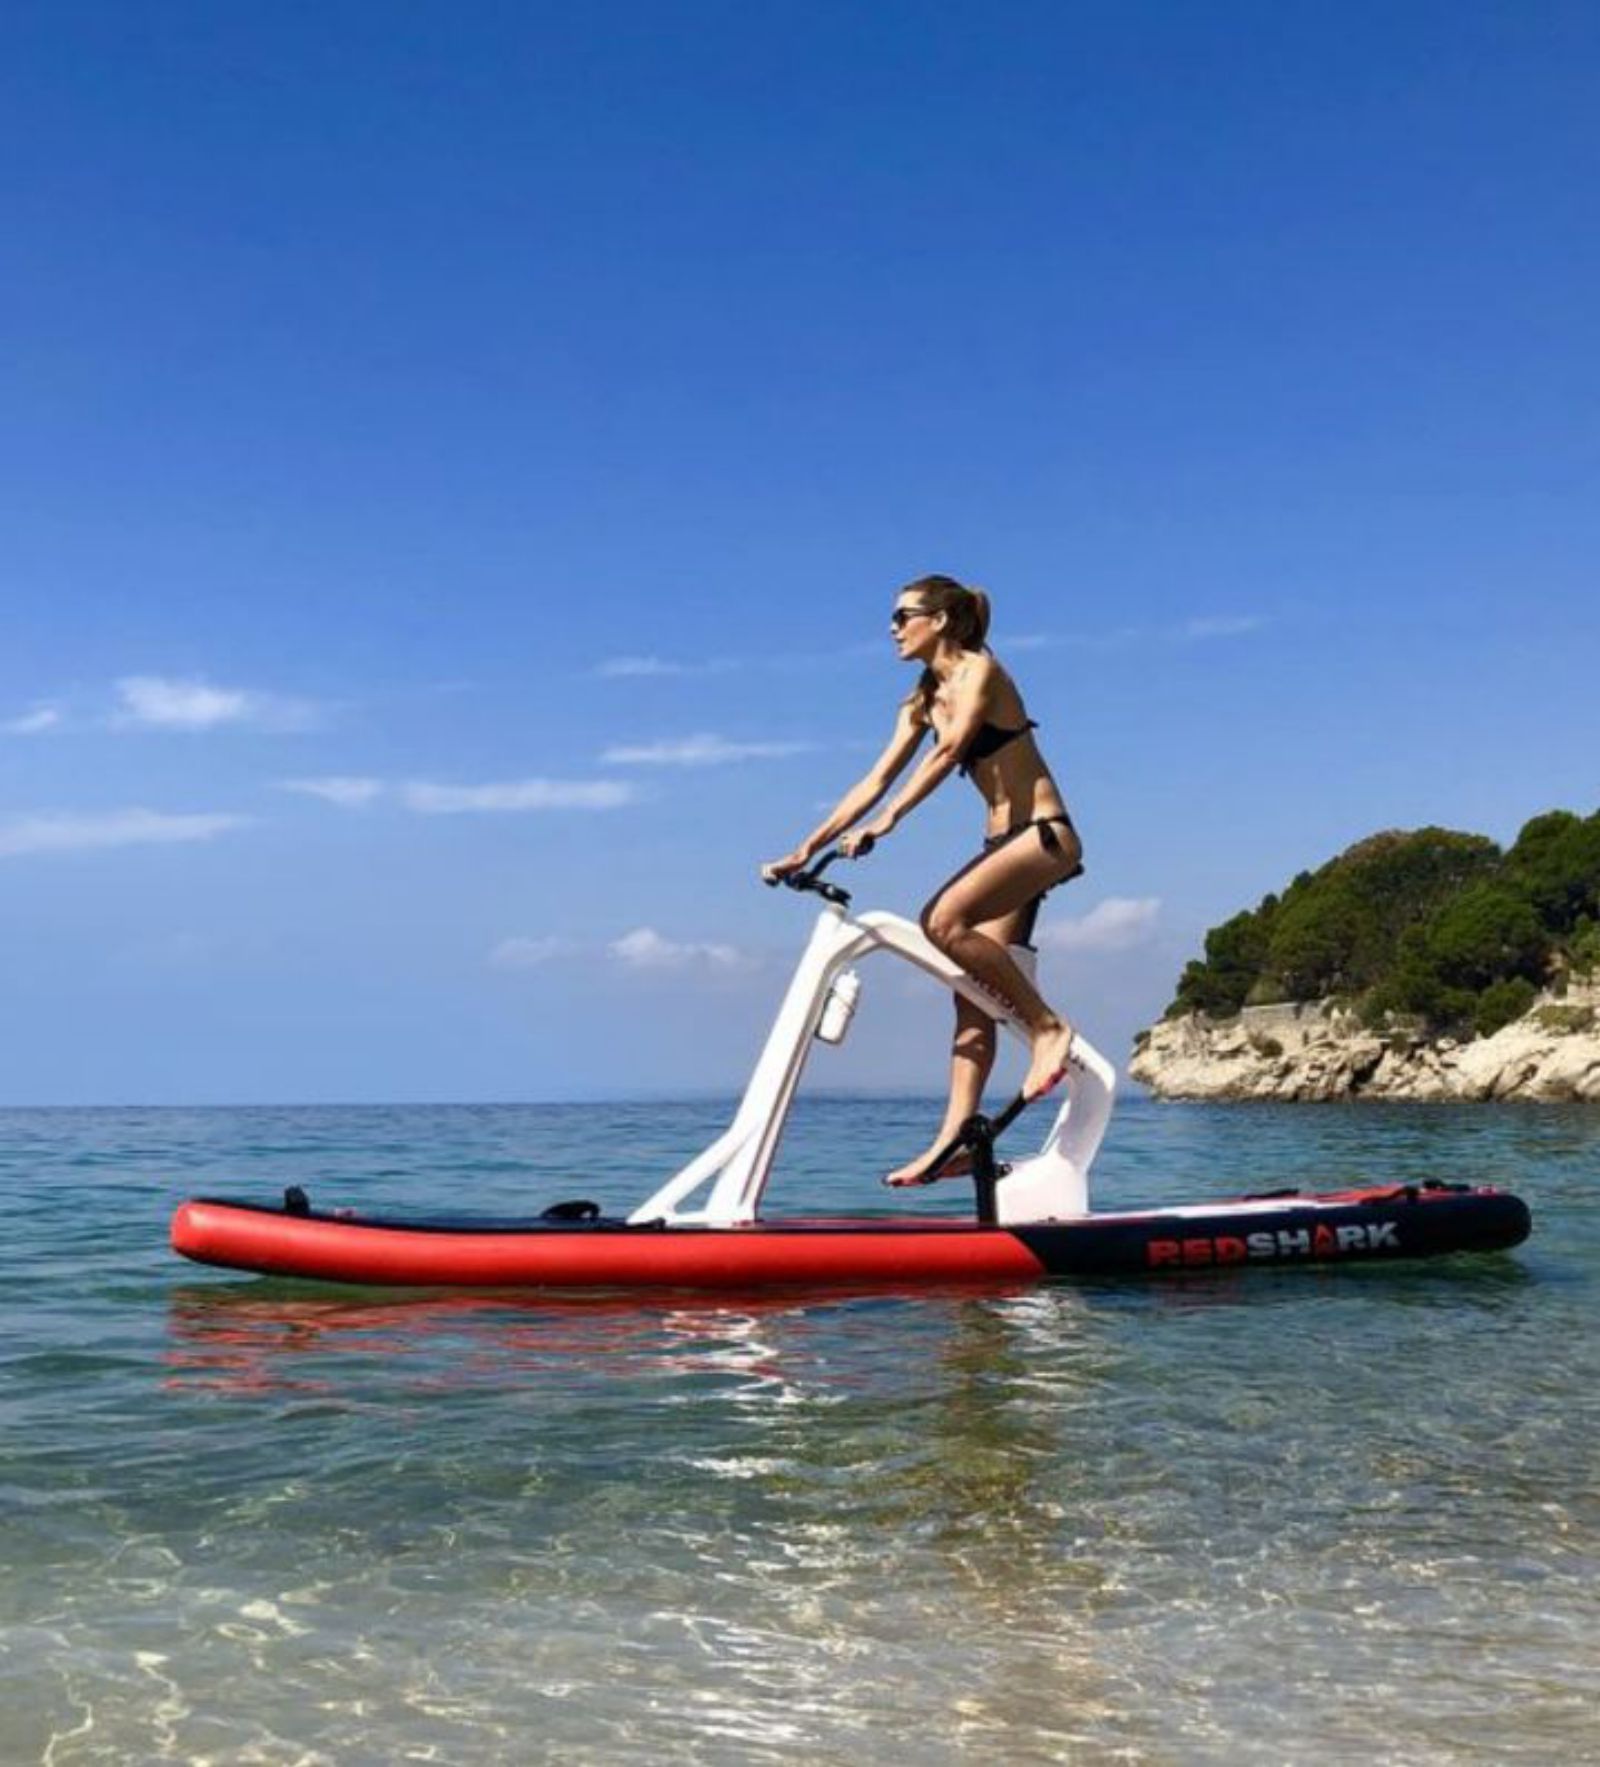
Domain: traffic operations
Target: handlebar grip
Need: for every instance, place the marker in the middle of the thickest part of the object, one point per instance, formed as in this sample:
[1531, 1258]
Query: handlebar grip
[812, 880]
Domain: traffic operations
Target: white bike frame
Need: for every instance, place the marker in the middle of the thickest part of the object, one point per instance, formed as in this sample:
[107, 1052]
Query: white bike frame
[732, 1173]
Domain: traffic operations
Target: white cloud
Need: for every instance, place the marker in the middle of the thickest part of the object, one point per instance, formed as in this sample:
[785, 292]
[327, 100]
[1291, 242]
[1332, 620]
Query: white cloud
[520, 794]
[645, 948]
[1221, 626]
[1116, 924]
[635, 668]
[618, 668]
[704, 750]
[428, 799]
[348, 793]
[158, 702]
[642, 949]
[33, 723]
[524, 953]
[66, 833]
[1192, 631]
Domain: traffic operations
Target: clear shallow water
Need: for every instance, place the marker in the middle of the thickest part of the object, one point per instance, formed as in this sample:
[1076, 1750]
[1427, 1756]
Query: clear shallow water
[1272, 1516]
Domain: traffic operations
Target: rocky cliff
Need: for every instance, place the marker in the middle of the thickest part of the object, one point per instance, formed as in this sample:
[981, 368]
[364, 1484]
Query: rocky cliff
[1318, 1051]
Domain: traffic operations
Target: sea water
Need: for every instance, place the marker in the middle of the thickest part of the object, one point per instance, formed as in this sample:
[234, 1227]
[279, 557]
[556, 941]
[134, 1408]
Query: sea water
[1314, 1514]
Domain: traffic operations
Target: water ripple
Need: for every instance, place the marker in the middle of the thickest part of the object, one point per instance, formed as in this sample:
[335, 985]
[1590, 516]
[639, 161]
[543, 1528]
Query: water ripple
[1287, 1515]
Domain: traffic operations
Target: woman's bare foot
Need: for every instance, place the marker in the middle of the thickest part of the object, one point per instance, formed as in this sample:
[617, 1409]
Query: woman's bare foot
[1048, 1066]
[959, 1165]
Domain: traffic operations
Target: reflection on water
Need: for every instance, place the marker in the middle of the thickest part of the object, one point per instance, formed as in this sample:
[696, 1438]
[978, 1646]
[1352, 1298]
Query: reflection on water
[239, 1339]
[811, 1480]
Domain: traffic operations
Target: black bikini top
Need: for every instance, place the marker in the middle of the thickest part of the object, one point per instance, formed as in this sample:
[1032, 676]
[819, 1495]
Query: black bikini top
[988, 739]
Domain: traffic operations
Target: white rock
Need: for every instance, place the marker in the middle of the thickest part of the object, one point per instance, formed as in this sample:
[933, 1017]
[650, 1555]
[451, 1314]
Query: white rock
[1315, 1051]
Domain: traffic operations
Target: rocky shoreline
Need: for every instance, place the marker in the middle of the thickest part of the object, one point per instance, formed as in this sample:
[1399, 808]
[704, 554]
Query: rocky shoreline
[1318, 1051]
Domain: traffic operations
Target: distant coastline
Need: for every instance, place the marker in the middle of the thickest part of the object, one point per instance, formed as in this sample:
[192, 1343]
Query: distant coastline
[1427, 964]
[1322, 1051]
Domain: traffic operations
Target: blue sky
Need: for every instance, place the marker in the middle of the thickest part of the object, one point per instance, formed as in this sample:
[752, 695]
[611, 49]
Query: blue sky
[456, 461]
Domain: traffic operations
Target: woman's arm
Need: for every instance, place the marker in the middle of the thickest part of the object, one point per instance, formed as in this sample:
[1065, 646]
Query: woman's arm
[909, 730]
[968, 695]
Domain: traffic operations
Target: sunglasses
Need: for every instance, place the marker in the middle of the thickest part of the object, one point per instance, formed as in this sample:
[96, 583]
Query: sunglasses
[903, 616]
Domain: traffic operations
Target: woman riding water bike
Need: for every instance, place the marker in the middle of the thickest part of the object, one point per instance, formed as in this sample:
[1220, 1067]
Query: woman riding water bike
[970, 706]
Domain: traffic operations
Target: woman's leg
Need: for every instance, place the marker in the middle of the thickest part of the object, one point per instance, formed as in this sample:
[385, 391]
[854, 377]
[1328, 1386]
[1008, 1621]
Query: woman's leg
[998, 884]
[971, 1061]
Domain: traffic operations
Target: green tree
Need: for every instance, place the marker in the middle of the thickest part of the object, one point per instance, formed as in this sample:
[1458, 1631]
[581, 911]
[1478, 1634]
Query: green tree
[1584, 951]
[1556, 864]
[1234, 953]
[1502, 1002]
[1432, 924]
[1338, 932]
[1487, 934]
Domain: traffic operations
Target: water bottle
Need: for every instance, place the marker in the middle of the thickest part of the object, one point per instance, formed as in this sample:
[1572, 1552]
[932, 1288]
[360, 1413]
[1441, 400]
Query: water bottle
[839, 1008]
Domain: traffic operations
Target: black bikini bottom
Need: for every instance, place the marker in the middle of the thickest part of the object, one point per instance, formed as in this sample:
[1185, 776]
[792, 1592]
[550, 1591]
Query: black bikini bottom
[1051, 841]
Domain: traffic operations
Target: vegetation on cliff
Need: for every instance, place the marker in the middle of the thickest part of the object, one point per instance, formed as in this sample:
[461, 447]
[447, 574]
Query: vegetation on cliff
[1441, 928]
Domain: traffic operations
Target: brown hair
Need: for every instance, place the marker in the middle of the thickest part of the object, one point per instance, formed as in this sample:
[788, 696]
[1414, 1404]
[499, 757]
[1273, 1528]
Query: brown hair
[966, 613]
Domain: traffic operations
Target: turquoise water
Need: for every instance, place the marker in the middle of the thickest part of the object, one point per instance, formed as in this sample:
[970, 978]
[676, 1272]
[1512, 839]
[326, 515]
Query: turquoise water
[1271, 1516]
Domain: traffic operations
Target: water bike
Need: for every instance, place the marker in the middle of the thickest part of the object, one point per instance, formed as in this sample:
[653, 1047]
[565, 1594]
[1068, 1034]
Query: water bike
[703, 1228]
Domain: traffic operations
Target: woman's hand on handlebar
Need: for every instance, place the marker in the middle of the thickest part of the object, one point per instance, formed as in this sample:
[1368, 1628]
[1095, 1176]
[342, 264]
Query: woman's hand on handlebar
[860, 841]
[776, 870]
[855, 845]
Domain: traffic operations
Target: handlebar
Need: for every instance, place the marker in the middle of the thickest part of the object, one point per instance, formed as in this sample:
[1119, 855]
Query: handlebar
[812, 880]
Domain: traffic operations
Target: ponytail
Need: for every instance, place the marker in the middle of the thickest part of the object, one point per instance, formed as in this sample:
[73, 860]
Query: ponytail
[966, 613]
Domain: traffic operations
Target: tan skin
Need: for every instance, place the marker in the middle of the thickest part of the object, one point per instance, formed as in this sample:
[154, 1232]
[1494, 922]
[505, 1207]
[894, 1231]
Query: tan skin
[975, 918]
